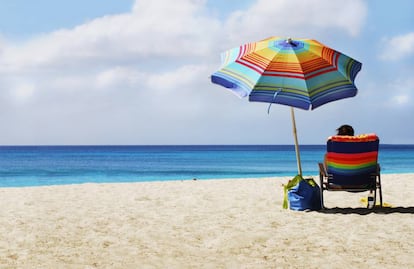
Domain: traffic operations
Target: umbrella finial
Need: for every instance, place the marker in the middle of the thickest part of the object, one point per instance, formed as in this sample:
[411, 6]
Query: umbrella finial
[290, 41]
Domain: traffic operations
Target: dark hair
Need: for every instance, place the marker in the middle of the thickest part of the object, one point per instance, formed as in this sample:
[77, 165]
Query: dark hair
[345, 130]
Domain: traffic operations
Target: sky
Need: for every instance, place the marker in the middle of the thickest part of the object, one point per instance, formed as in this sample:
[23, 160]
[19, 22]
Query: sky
[126, 72]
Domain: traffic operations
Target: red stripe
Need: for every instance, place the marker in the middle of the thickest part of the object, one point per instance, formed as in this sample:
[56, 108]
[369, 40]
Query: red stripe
[320, 73]
[354, 158]
[257, 60]
[253, 67]
[285, 75]
[309, 69]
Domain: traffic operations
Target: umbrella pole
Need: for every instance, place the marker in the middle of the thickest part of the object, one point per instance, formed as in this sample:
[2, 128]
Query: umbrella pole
[296, 141]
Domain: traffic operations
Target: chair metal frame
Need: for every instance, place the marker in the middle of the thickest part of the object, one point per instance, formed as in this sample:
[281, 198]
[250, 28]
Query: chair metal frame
[327, 185]
[325, 178]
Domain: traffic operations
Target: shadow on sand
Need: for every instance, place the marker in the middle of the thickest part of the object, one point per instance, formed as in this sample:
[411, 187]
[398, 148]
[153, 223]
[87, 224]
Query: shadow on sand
[366, 211]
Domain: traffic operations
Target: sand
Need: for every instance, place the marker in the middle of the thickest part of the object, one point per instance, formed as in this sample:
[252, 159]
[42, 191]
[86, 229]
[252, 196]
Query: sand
[236, 223]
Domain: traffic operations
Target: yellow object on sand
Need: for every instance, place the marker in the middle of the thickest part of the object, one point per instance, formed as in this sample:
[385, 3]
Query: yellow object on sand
[364, 200]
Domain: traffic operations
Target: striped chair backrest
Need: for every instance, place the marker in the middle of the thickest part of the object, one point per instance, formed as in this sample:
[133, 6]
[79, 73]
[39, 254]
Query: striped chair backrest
[352, 158]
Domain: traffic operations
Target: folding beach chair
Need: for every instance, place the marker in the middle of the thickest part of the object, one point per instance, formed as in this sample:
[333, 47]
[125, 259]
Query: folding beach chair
[351, 164]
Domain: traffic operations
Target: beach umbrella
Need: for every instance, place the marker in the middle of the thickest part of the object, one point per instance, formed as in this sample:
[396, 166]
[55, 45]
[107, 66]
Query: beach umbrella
[300, 73]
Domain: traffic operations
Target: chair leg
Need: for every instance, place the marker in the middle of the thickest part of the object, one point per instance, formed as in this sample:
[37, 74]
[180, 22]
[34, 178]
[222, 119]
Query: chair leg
[375, 198]
[378, 183]
[321, 189]
[322, 206]
[380, 189]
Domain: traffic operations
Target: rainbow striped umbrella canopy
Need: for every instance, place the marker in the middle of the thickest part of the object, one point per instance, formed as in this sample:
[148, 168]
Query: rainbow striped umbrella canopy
[301, 73]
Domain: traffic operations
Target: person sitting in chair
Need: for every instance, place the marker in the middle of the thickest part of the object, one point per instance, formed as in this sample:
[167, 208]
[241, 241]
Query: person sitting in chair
[345, 130]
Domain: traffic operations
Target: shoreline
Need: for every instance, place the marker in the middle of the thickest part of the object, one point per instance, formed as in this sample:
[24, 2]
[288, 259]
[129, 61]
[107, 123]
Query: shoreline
[284, 177]
[217, 223]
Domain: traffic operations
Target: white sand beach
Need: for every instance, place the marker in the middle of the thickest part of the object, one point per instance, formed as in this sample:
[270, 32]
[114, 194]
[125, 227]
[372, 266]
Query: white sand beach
[236, 223]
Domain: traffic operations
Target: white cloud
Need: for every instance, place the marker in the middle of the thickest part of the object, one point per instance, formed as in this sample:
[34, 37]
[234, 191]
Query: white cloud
[155, 33]
[398, 47]
[143, 76]
[400, 92]
[23, 92]
[118, 76]
[304, 19]
[186, 75]
[154, 29]
[400, 99]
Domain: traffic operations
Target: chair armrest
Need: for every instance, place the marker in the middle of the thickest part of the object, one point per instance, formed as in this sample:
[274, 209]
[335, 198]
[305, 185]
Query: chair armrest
[322, 169]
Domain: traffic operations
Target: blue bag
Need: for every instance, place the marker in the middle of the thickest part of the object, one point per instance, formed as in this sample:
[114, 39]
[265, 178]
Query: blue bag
[303, 194]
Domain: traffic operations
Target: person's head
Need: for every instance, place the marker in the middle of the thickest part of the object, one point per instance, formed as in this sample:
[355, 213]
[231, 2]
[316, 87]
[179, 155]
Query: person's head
[345, 130]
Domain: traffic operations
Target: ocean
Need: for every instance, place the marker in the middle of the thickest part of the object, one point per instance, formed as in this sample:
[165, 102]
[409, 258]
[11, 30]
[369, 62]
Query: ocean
[57, 165]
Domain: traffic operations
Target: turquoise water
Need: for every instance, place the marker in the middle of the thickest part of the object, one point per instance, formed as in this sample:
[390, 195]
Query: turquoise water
[56, 165]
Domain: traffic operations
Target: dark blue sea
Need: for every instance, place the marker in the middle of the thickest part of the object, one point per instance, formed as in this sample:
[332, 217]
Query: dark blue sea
[57, 165]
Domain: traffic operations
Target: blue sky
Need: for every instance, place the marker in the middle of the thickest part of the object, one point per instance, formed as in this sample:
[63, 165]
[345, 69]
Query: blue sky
[137, 72]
